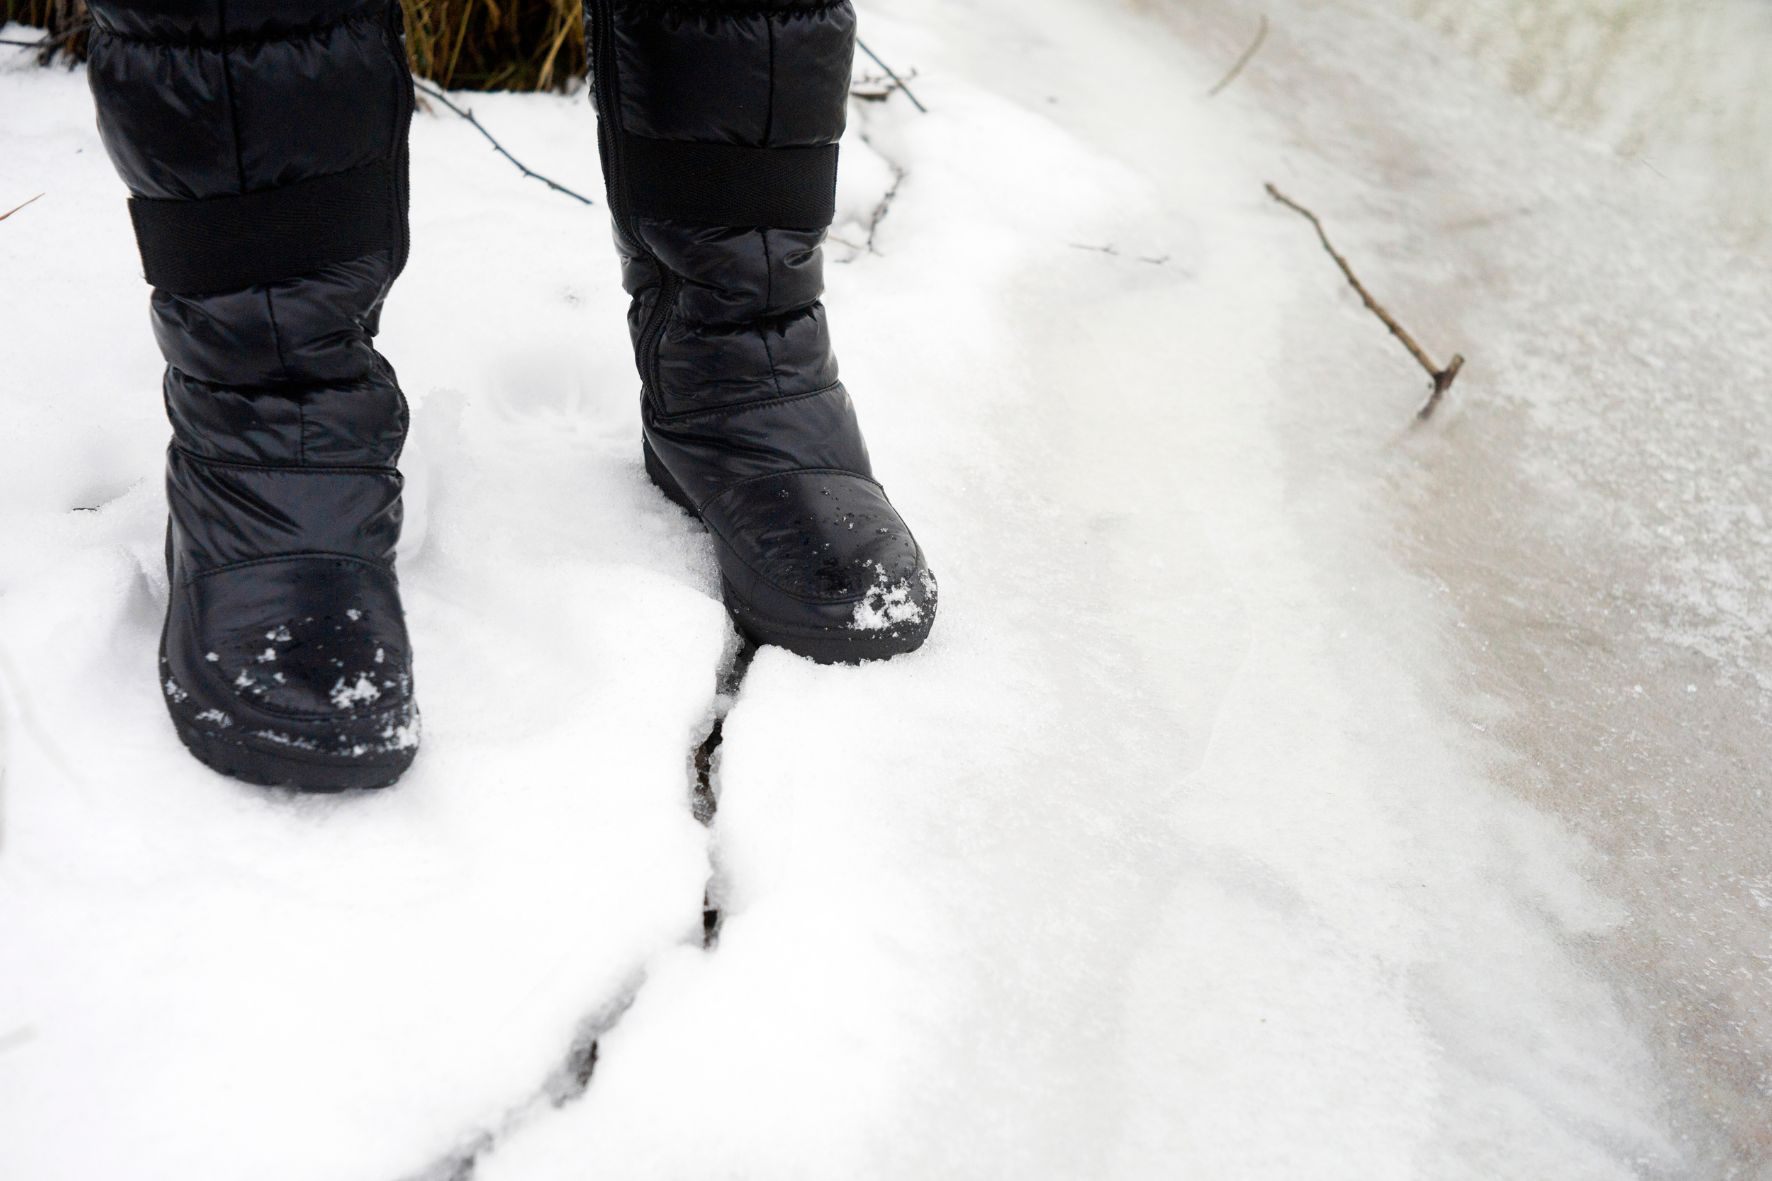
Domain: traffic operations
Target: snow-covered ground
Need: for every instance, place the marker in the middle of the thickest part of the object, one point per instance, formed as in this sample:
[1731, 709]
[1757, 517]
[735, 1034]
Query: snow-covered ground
[1287, 790]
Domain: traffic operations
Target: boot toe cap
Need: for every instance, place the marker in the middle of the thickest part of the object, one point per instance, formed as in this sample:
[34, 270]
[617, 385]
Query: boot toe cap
[821, 563]
[297, 669]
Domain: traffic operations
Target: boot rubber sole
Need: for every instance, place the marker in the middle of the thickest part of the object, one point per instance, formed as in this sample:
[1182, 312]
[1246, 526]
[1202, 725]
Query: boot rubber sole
[286, 769]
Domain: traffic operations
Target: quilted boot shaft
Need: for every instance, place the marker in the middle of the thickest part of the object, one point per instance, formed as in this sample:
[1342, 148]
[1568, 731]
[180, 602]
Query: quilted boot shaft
[718, 125]
[264, 145]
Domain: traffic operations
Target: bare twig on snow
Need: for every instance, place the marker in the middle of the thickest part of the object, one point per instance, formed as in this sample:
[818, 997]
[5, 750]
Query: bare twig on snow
[1248, 56]
[1113, 251]
[1442, 378]
[46, 46]
[880, 210]
[16, 208]
[884, 207]
[878, 88]
[433, 92]
[890, 73]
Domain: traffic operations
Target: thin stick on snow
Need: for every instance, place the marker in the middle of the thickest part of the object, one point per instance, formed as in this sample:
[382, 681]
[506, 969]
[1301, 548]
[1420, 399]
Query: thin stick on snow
[433, 92]
[899, 82]
[16, 208]
[885, 203]
[1442, 378]
[876, 88]
[1248, 56]
[884, 207]
[1113, 251]
[52, 40]
[46, 46]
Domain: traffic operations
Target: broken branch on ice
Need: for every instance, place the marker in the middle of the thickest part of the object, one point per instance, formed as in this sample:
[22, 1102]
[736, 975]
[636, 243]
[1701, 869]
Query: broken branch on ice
[1248, 56]
[433, 92]
[1442, 377]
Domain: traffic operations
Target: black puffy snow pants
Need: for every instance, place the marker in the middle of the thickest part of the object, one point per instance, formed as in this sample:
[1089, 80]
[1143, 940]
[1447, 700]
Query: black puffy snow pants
[264, 145]
[718, 125]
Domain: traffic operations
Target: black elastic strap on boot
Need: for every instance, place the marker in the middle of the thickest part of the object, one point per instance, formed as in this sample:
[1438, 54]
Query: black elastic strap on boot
[215, 244]
[729, 185]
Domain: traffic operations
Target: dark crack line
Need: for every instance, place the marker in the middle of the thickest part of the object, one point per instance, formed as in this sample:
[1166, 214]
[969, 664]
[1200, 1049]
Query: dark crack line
[572, 1078]
[704, 784]
[565, 1085]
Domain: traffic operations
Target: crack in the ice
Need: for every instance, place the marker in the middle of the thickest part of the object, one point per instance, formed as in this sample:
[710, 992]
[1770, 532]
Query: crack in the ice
[704, 789]
[567, 1083]
[572, 1078]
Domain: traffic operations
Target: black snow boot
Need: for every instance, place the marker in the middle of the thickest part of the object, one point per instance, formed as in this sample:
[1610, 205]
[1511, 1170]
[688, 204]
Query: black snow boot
[718, 126]
[265, 148]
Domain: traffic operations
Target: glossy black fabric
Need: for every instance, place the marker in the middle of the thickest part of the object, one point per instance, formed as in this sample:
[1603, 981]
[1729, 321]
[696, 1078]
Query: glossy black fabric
[745, 418]
[285, 655]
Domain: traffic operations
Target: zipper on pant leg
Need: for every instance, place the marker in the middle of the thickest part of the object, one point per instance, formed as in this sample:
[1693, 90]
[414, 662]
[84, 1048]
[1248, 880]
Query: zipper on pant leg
[654, 334]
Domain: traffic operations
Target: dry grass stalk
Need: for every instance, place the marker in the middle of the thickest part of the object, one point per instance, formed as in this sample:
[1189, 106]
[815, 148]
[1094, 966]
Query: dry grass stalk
[459, 44]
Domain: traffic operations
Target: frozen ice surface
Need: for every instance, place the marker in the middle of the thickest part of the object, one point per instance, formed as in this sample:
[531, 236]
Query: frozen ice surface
[1284, 792]
[1566, 192]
